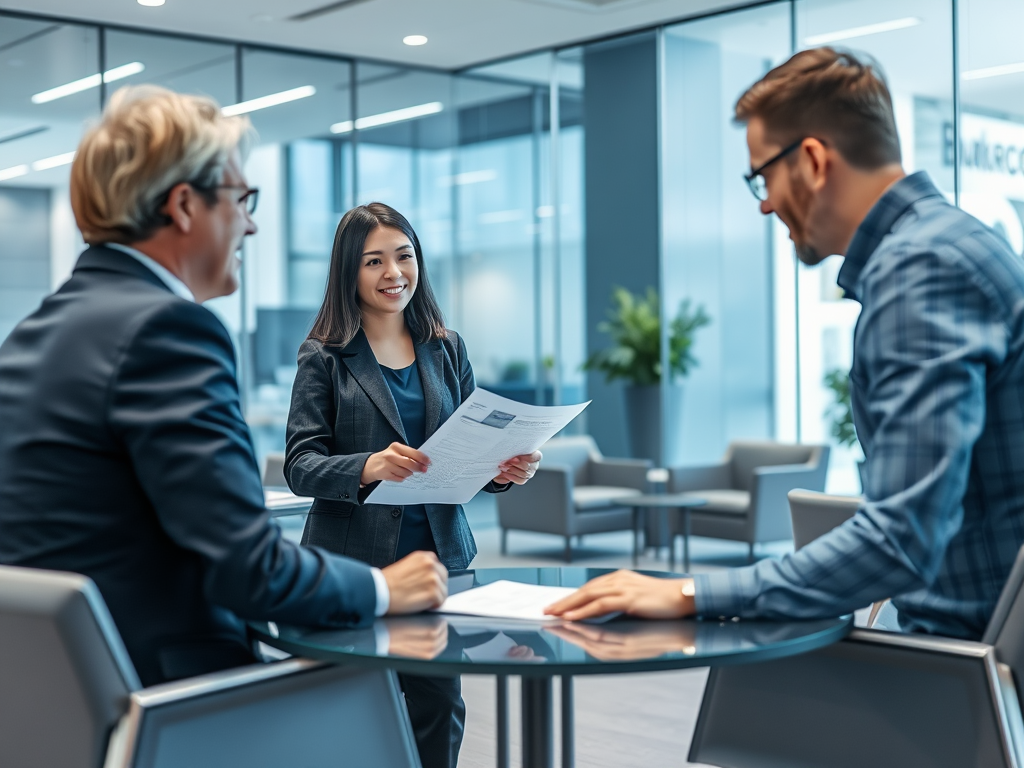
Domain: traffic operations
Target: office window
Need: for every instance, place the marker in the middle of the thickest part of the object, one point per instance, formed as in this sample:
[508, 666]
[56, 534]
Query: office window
[405, 136]
[912, 41]
[565, 316]
[501, 187]
[298, 105]
[992, 117]
[49, 90]
[717, 249]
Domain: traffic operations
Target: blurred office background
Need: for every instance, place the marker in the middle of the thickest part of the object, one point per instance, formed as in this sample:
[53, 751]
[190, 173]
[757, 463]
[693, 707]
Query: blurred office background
[537, 184]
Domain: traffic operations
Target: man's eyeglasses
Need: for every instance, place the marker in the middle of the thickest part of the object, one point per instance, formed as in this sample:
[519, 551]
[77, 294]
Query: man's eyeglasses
[248, 199]
[755, 180]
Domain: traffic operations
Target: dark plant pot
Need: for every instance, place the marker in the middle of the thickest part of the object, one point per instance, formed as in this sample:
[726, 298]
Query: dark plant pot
[652, 434]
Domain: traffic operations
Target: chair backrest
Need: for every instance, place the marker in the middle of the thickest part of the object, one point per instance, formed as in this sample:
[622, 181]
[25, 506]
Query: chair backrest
[859, 702]
[65, 676]
[273, 471]
[746, 456]
[1005, 629]
[576, 451]
[815, 514]
[289, 713]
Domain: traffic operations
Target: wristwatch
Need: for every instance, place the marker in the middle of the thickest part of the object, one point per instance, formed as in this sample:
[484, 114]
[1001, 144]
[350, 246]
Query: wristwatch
[689, 588]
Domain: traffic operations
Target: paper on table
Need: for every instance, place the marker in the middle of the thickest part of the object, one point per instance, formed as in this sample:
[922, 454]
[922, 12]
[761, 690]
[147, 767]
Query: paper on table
[466, 450]
[506, 600]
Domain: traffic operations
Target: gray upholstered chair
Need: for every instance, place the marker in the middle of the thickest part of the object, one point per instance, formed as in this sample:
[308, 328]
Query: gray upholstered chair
[273, 471]
[70, 697]
[883, 699]
[815, 514]
[575, 491]
[746, 491]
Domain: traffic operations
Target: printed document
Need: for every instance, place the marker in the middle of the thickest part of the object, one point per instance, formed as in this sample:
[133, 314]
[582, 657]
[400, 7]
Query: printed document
[466, 450]
[506, 600]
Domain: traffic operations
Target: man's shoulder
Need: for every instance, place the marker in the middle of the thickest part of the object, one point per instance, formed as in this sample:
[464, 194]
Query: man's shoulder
[948, 239]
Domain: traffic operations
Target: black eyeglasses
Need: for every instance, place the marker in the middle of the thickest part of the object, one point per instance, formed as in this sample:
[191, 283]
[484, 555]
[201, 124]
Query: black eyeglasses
[249, 199]
[755, 180]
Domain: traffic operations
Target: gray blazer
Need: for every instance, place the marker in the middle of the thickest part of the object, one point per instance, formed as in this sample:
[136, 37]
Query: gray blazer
[341, 412]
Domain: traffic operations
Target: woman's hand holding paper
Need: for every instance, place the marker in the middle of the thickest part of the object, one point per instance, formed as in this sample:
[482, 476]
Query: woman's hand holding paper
[518, 469]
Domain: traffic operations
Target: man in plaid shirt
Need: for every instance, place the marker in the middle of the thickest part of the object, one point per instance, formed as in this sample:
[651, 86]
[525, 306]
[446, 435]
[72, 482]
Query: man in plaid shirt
[937, 381]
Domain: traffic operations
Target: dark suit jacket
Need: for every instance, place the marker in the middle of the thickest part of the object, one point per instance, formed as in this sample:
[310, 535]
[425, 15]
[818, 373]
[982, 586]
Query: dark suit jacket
[124, 456]
[341, 412]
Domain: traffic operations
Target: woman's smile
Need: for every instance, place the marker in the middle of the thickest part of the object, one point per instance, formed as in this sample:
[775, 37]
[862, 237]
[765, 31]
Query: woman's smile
[393, 292]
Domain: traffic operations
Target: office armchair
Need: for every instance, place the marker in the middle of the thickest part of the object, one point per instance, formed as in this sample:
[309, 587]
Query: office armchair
[882, 699]
[70, 697]
[273, 471]
[815, 514]
[574, 492]
[746, 491]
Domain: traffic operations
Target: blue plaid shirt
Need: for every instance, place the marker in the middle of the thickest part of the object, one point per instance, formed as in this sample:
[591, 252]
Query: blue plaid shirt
[938, 402]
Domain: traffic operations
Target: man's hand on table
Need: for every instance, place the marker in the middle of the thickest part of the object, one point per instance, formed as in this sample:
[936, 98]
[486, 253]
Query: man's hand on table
[629, 592]
[607, 643]
[417, 582]
[417, 637]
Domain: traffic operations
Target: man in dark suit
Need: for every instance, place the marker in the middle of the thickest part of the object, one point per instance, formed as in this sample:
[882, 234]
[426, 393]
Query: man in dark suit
[124, 455]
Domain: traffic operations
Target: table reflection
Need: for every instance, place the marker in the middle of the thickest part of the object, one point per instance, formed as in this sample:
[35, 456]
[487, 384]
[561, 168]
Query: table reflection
[611, 642]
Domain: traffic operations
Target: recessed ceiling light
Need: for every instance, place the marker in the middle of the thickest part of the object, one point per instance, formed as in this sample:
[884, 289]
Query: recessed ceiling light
[868, 29]
[272, 100]
[384, 118]
[151, 3]
[92, 81]
[415, 40]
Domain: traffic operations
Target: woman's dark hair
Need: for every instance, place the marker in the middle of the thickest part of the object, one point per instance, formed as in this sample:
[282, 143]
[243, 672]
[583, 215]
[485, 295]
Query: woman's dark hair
[339, 318]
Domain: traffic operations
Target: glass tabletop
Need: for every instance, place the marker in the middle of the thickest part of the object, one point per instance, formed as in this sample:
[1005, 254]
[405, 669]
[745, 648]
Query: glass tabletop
[441, 644]
[676, 500]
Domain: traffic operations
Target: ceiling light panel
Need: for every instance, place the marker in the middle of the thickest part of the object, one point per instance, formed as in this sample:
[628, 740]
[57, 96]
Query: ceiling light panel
[999, 71]
[386, 118]
[92, 81]
[53, 162]
[13, 173]
[244, 107]
[864, 31]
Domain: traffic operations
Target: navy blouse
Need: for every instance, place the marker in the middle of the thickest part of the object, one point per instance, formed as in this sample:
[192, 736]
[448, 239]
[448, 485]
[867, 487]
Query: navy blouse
[407, 390]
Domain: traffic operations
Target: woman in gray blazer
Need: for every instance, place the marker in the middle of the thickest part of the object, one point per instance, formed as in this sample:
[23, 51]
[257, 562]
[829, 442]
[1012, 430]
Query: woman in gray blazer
[377, 376]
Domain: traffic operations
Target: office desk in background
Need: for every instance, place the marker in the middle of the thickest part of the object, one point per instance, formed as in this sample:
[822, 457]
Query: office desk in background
[539, 652]
[281, 502]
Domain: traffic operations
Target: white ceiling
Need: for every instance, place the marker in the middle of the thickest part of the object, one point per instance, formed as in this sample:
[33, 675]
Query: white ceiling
[461, 32]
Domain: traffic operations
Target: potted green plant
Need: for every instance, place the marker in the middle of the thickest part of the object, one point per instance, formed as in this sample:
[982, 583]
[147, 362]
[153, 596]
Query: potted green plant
[840, 414]
[634, 325]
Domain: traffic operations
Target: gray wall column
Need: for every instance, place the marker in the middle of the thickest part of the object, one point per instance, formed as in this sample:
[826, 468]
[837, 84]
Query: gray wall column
[620, 119]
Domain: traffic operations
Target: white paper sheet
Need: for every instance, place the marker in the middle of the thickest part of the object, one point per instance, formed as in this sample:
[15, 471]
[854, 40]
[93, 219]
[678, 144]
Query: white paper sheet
[506, 600]
[466, 450]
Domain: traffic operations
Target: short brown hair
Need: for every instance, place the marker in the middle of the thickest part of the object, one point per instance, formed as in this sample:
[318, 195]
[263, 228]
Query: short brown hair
[831, 95]
[148, 140]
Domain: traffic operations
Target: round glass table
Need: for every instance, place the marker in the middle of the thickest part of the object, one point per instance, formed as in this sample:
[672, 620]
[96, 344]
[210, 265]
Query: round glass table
[433, 644]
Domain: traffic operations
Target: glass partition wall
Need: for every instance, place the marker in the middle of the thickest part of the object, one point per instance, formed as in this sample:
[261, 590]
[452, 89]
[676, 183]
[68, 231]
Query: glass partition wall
[536, 185]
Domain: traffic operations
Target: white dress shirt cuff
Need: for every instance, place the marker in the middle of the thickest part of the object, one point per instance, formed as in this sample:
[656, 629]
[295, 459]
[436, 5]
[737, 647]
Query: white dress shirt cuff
[383, 594]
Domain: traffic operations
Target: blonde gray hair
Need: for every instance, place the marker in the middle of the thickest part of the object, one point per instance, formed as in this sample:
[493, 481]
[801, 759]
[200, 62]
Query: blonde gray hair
[148, 140]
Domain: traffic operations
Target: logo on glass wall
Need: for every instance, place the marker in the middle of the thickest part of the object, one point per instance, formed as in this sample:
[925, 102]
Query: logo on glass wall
[991, 172]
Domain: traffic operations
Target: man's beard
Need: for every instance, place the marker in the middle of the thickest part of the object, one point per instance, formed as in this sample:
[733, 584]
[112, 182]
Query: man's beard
[807, 254]
[801, 201]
